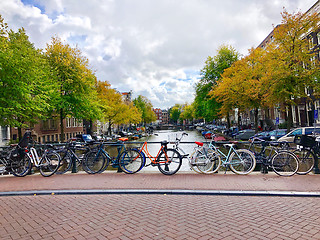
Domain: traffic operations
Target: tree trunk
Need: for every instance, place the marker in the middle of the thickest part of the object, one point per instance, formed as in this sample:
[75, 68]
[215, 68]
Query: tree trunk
[109, 128]
[256, 112]
[61, 126]
[228, 121]
[19, 133]
[290, 118]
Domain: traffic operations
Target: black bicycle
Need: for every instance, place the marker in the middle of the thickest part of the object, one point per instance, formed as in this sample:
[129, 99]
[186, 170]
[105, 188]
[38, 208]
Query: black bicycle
[70, 159]
[307, 153]
[272, 155]
[129, 160]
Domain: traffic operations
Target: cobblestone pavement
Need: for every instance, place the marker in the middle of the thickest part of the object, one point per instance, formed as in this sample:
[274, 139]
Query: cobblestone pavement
[158, 217]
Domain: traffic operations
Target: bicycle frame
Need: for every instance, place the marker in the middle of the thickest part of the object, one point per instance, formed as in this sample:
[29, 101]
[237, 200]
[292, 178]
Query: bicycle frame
[225, 158]
[34, 157]
[144, 150]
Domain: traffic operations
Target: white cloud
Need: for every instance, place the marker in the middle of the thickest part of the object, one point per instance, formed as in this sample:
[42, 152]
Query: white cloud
[155, 48]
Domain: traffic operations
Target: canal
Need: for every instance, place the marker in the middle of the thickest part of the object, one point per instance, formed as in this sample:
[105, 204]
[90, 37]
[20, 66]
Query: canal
[170, 136]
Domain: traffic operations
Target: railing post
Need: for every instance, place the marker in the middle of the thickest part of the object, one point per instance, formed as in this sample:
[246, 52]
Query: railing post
[74, 165]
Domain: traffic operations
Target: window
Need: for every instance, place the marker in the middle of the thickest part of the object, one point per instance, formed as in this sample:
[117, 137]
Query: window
[296, 132]
[49, 124]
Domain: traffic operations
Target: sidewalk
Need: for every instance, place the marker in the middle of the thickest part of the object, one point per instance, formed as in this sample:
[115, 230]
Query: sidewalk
[111, 180]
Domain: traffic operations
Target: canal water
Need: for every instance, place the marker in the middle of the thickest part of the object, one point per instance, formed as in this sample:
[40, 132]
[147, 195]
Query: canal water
[187, 144]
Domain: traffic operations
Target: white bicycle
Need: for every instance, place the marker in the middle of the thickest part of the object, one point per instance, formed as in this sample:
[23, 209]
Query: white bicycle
[201, 160]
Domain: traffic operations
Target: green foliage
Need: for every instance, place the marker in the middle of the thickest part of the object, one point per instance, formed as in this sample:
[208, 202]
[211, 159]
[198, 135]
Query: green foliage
[145, 108]
[77, 94]
[187, 112]
[114, 109]
[205, 106]
[175, 112]
[26, 87]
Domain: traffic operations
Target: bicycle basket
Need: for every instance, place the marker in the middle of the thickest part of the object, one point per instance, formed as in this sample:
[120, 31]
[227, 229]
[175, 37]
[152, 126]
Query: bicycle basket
[305, 140]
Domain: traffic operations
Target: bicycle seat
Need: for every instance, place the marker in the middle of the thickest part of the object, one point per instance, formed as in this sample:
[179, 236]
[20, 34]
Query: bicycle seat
[164, 143]
[199, 143]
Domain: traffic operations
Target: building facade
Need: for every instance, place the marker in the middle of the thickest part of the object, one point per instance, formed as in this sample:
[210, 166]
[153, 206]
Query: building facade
[303, 111]
[49, 130]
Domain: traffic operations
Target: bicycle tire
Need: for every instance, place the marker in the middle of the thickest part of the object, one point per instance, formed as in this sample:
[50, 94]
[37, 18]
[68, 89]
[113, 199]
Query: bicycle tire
[285, 163]
[209, 163]
[131, 161]
[21, 167]
[242, 161]
[306, 160]
[65, 164]
[49, 164]
[192, 164]
[94, 162]
[169, 159]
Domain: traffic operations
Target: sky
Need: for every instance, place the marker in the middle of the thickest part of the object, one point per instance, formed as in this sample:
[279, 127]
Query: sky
[150, 47]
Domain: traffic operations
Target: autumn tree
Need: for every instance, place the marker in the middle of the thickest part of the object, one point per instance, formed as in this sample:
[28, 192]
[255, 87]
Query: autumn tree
[114, 109]
[242, 85]
[145, 108]
[76, 81]
[26, 85]
[187, 112]
[205, 105]
[291, 68]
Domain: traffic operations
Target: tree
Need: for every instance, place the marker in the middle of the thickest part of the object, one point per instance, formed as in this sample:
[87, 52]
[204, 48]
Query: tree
[26, 85]
[187, 112]
[76, 81]
[290, 68]
[175, 113]
[205, 105]
[114, 109]
[242, 85]
[145, 108]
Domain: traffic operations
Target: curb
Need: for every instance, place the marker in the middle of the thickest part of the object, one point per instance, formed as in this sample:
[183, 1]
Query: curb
[161, 192]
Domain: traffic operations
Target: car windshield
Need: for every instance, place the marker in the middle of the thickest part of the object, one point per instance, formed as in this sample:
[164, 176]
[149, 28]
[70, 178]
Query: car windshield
[296, 132]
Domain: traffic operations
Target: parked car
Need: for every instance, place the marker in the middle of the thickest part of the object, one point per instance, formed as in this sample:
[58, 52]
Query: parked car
[299, 131]
[276, 134]
[262, 135]
[245, 134]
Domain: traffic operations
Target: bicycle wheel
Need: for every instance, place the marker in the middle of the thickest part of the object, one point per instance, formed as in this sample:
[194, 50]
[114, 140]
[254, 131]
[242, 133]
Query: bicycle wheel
[49, 164]
[65, 164]
[191, 162]
[285, 163]
[242, 161]
[306, 160]
[131, 161]
[94, 162]
[169, 161]
[208, 161]
[21, 167]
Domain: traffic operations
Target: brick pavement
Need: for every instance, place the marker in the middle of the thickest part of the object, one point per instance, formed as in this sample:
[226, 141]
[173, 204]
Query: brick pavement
[158, 217]
[113, 180]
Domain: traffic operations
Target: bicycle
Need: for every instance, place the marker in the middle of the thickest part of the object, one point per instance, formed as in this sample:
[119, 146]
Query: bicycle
[281, 161]
[5, 161]
[23, 157]
[71, 159]
[239, 161]
[168, 160]
[204, 165]
[307, 153]
[129, 160]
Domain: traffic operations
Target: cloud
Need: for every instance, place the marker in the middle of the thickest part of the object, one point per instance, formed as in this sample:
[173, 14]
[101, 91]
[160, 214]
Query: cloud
[155, 48]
